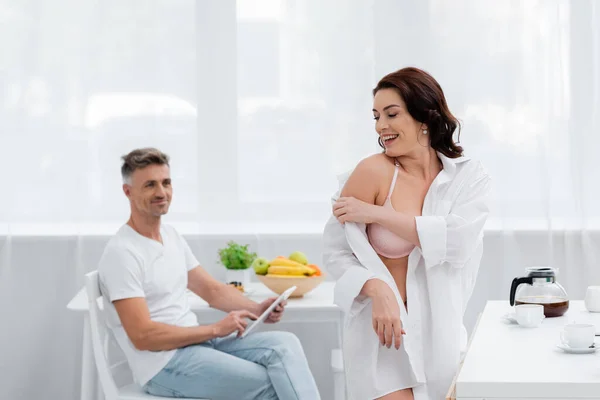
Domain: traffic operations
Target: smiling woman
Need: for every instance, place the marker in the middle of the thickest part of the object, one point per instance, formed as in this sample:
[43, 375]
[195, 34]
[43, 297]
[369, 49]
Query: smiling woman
[420, 208]
[420, 102]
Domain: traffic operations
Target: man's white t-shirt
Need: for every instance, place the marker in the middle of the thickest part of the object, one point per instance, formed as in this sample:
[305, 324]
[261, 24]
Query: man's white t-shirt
[133, 265]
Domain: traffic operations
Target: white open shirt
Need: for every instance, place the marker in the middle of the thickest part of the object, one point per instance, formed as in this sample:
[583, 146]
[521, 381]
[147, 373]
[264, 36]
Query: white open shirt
[440, 279]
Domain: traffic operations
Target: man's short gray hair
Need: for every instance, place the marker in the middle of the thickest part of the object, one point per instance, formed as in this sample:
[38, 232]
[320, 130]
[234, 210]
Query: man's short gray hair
[141, 158]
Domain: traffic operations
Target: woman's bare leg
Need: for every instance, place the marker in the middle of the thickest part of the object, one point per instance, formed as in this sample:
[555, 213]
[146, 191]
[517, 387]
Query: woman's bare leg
[404, 394]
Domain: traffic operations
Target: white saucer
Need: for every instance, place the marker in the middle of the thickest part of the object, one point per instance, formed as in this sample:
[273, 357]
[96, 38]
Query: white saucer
[510, 318]
[586, 350]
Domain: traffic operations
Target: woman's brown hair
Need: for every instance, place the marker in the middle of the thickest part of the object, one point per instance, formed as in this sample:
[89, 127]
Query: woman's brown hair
[426, 103]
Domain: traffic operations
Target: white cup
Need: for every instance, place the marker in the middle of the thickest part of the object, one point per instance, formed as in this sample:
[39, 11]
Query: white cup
[592, 299]
[529, 315]
[578, 336]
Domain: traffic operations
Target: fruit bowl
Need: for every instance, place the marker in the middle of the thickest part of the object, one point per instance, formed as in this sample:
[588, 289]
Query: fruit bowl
[280, 283]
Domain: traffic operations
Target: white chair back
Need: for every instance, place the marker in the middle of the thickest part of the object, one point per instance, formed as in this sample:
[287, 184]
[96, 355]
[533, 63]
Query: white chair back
[99, 335]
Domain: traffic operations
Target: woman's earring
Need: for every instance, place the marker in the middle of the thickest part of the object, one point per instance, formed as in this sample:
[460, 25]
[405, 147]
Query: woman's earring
[424, 131]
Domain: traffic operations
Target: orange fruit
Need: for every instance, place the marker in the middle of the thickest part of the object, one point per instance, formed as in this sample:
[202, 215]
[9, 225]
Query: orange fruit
[316, 268]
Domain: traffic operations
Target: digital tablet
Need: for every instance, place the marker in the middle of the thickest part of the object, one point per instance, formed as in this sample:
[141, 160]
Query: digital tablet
[283, 296]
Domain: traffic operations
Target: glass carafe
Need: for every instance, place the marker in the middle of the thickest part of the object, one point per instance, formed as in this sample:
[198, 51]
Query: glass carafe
[540, 287]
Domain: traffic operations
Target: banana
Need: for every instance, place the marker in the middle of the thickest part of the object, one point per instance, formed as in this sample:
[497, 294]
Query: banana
[285, 276]
[285, 262]
[301, 270]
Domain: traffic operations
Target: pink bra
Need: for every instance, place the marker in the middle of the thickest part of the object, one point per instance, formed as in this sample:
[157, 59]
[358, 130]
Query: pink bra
[385, 242]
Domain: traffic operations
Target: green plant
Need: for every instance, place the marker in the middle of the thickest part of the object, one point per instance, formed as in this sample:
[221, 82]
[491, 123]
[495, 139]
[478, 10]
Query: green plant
[236, 256]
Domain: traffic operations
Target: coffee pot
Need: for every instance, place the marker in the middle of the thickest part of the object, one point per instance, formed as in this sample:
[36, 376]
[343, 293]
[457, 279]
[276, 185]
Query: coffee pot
[540, 287]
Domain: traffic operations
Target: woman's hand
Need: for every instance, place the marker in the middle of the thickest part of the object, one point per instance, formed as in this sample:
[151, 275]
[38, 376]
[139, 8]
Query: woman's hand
[386, 313]
[350, 209]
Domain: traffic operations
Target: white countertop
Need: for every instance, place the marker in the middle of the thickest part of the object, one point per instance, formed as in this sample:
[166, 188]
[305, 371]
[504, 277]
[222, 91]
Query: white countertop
[315, 306]
[506, 361]
[320, 297]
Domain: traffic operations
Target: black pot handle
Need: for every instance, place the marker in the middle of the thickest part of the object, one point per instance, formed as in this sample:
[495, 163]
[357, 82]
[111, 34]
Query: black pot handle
[515, 284]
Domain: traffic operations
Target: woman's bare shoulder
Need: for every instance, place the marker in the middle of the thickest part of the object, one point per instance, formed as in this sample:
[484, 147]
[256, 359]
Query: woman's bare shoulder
[364, 181]
[374, 164]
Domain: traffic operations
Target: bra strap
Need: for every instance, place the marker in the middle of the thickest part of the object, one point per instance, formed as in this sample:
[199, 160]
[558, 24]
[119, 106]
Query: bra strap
[389, 196]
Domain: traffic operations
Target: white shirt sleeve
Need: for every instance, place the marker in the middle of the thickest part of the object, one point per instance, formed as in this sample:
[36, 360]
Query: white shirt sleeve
[454, 238]
[121, 275]
[340, 262]
[344, 267]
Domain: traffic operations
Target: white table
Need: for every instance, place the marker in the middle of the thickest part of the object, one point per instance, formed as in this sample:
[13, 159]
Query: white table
[506, 361]
[315, 307]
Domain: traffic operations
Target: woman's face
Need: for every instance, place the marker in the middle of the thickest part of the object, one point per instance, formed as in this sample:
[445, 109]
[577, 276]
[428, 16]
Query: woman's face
[398, 131]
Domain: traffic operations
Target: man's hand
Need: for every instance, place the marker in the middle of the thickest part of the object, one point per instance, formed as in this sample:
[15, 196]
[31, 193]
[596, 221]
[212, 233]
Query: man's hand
[277, 312]
[234, 321]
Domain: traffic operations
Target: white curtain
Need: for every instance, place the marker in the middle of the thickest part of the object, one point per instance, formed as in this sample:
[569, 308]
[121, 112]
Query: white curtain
[260, 104]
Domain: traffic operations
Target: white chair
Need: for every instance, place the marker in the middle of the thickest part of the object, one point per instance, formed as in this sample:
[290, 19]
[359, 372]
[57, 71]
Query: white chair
[98, 332]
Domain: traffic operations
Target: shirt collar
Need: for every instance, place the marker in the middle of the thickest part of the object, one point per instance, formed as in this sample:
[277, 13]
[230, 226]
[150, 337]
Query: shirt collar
[449, 167]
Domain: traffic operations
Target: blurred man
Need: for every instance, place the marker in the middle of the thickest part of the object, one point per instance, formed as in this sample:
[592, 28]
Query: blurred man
[144, 272]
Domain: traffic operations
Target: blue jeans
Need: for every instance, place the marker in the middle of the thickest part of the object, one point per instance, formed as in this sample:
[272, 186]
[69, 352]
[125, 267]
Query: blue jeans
[263, 365]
